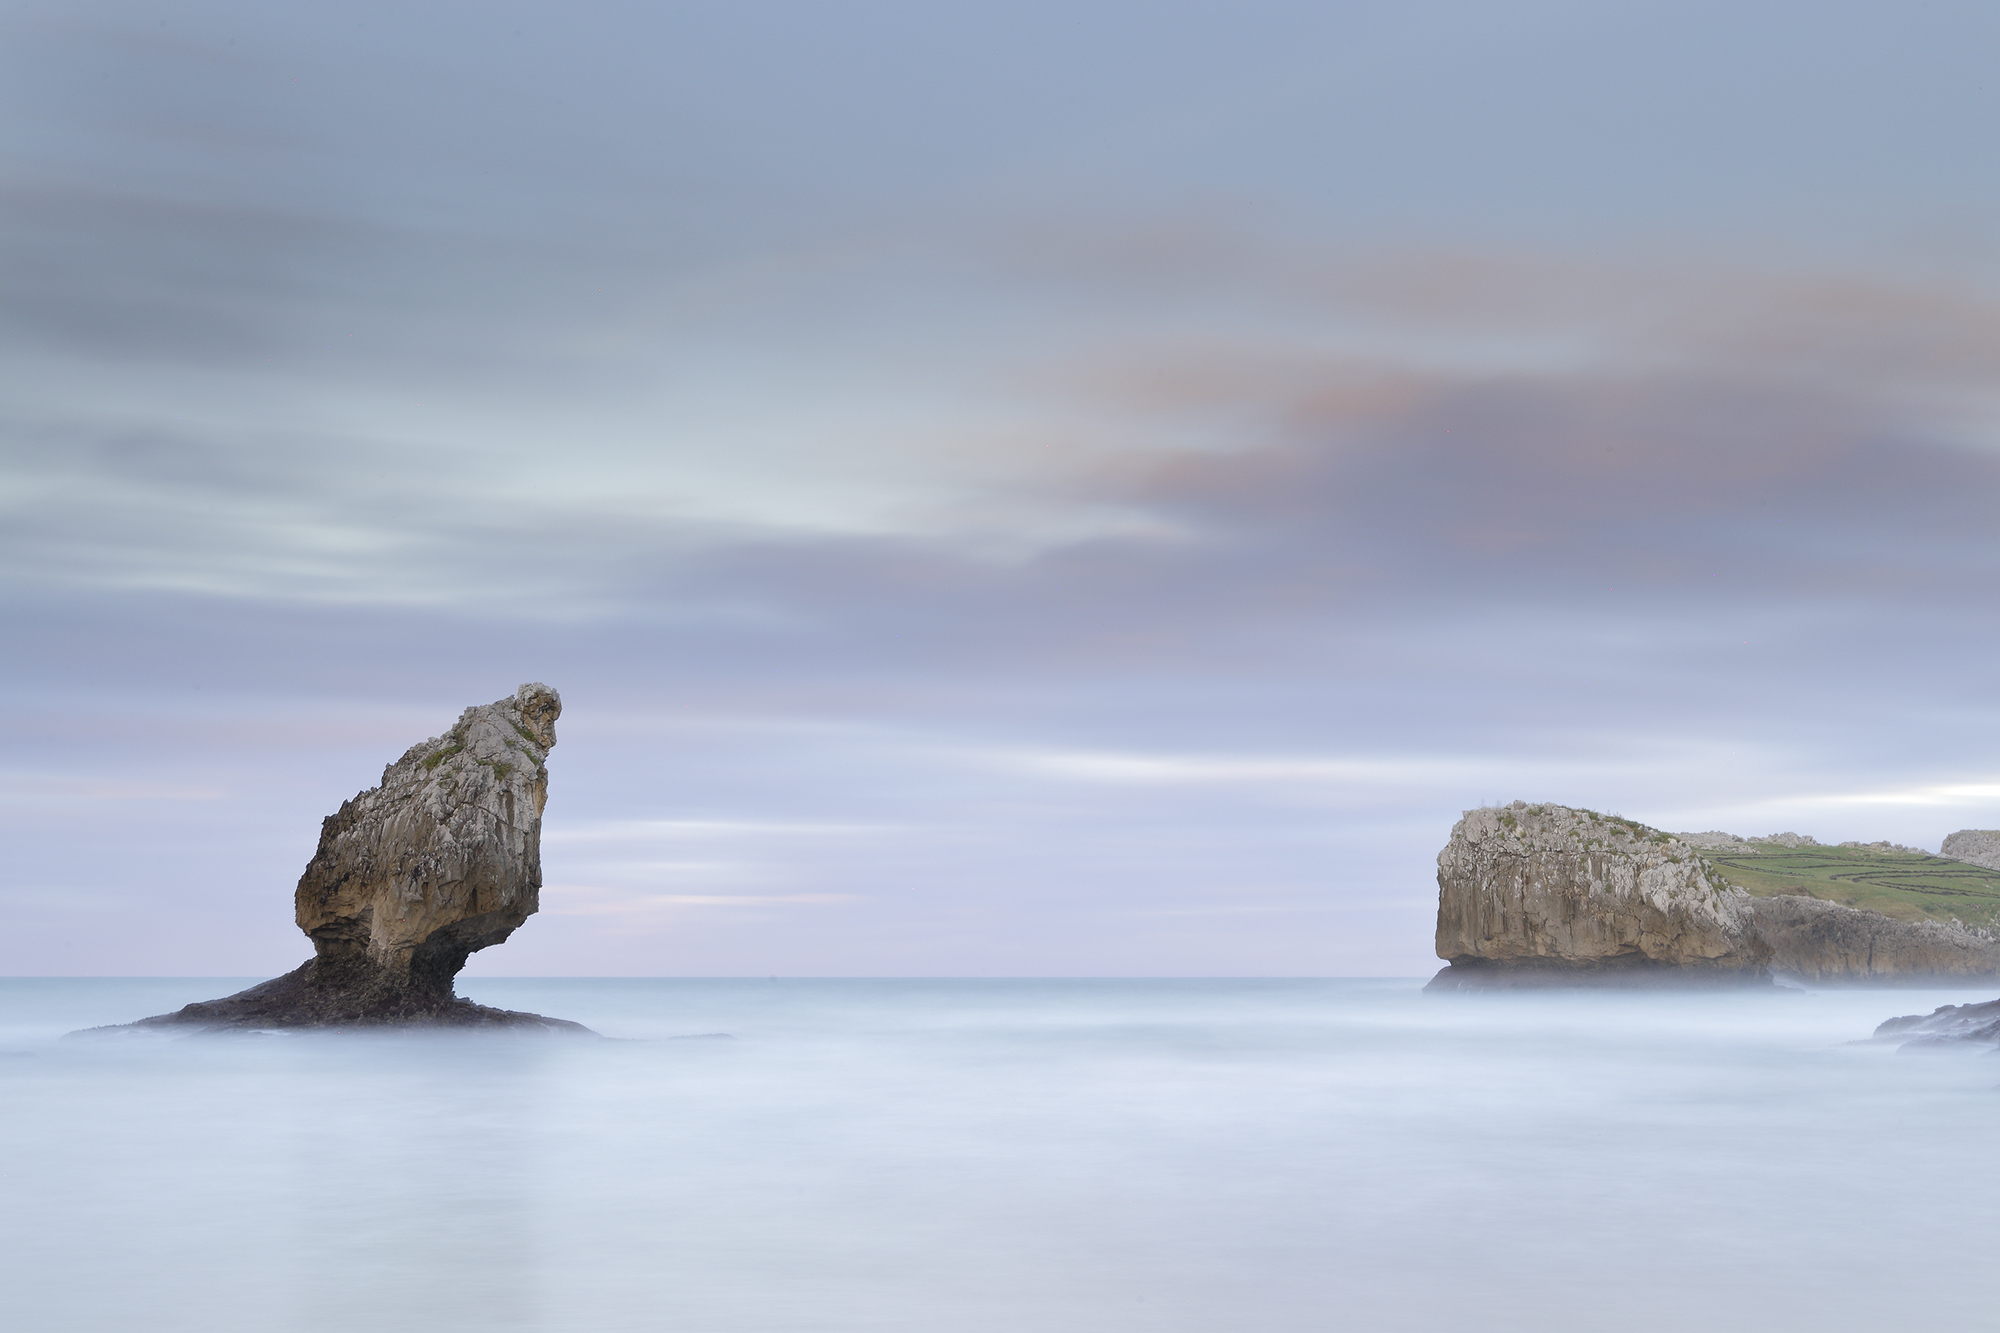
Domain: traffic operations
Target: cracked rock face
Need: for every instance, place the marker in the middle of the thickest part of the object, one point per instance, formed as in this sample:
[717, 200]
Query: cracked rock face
[443, 858]
[1532, 894]
[1976, 846]
[1543, 894]
[1817, 941]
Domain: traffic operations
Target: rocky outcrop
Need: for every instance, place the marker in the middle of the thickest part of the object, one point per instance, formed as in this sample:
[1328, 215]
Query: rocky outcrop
[1976, 846]
[1732, 845]
[1974, 1025]
[1716, 841]
[1814, 940]
[1543, 894]
[440, 860]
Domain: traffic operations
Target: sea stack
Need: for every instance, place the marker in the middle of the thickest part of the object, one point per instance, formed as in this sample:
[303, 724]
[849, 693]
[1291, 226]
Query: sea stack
[1538, 895]
[440, 860]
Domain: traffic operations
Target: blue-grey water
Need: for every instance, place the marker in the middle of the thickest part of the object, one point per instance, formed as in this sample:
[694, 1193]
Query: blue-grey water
[963, 1156]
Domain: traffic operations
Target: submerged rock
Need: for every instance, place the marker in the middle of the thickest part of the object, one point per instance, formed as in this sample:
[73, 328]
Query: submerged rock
[1544, 894]
[440, 860]
[1949, 1025]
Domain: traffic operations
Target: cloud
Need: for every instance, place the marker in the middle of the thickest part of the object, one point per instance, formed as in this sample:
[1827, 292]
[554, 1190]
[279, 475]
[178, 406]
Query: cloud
[1371, 451]
[1510, 490]
[61, 789]
[639, 905]
[1350, 775]
[705, 830]
[1975, 794]
[1000, 511]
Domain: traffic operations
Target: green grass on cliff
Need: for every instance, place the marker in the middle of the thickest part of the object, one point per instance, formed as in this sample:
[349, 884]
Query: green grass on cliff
[1897, 884]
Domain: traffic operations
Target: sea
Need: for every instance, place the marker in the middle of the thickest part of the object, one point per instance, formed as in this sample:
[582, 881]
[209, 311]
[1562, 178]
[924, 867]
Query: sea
[994, 1156]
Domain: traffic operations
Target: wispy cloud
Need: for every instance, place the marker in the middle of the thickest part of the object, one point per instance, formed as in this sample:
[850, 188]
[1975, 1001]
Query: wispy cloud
[1004, 479]
[1950, 794]
[639, 906]
[1393, 770]
[705, 830]
[49, 789]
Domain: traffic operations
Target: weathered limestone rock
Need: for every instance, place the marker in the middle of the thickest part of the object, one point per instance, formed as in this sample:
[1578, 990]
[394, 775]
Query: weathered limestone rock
[444, 857]
[1543, 894]
[1884, 845]
[1732, 845]
[1716, 841]
[411, 877]
[1814, 940]
[1977, 846]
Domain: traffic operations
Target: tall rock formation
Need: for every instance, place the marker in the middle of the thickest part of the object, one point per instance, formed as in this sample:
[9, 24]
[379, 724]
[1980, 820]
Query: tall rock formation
[1543, 894]
[413, 876]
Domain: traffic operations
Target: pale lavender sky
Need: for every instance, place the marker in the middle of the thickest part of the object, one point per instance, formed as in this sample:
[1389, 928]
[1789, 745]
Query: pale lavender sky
[1005, 489]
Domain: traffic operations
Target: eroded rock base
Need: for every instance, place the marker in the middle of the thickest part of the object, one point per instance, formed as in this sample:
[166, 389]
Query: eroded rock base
[1624, 971]
[322, 995]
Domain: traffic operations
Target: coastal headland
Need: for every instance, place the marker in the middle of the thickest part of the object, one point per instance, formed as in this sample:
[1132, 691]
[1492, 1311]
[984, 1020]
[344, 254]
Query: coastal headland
[1544, 894]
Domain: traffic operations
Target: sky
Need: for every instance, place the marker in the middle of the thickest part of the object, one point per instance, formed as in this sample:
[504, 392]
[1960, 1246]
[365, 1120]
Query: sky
[1019, 490]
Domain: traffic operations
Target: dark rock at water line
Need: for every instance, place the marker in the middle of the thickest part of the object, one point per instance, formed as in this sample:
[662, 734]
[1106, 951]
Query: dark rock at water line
[1961, 1025]
[411, 877]
[1621, 972]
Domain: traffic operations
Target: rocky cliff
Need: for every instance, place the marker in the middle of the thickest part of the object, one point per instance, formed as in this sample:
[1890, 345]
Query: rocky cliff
[1976, 846]
[412, 876]
[1540, 894]
[1819, 941]
[1544, 894]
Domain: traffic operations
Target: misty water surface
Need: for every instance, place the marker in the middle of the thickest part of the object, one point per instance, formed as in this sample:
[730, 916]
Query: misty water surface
[1002, 1155]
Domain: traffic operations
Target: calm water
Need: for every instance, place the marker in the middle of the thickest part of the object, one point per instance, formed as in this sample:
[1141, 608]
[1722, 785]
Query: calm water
[1021, 1156]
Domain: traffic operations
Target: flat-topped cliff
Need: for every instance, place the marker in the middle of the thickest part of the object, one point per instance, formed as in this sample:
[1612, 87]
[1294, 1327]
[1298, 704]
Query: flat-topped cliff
[1546, 894]
[1534, 894]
